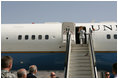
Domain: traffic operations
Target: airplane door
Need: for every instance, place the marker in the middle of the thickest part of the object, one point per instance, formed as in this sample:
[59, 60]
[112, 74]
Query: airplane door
[77, 35]
[71, 26]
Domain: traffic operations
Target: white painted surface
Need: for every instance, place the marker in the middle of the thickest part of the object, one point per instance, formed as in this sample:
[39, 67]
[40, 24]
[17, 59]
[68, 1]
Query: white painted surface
[55, 41]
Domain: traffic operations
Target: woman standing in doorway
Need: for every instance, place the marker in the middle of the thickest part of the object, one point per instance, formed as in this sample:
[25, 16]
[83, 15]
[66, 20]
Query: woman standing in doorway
[81, 35]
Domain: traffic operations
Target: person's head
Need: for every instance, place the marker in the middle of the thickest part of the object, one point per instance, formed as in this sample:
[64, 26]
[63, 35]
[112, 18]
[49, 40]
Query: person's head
[52, 75]
[114, 68]
[22, 73]
[6, 62]
[81, 27]
[107, 74]
[33, 69]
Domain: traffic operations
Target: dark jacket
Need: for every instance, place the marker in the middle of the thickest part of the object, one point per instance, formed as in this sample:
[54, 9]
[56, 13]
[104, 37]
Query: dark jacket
[30, 75]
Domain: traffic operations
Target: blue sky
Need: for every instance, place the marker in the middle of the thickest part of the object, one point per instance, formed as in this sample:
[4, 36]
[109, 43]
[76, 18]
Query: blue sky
[57, 11]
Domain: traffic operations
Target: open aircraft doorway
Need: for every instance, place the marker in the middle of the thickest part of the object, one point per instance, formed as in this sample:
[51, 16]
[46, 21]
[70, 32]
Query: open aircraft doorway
[77, 35]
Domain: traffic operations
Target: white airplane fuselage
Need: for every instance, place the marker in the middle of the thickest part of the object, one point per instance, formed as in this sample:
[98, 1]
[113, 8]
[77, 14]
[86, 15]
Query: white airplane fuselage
[50, 37]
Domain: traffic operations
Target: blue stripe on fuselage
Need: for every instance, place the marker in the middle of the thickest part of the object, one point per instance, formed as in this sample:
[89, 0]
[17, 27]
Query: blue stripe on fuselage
[55, 61]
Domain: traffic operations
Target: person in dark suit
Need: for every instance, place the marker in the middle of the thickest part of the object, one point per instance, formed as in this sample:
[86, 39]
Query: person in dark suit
[32, 71]
[114, 70]
[22, 73]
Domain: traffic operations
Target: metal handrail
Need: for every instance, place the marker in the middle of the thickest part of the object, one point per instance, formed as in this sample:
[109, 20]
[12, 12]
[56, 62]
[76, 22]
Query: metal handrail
[92, 53]
[68, 47]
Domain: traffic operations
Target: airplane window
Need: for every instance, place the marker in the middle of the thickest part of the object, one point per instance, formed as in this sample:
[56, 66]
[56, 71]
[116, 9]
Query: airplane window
[26, 37]
[33, 37]
[115, 36]
[46, 37]
[40, 37]
[108, 36]
[19, 37]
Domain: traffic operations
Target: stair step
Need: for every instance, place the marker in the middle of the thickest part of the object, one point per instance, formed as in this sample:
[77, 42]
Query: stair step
[77, 61]
[84, 45]
[80, 58]
[80, 48]
[79, 54]
[79, 68]
[80, 72]
[80, 76]
[79, 51]
[80, 65]
[82, 55]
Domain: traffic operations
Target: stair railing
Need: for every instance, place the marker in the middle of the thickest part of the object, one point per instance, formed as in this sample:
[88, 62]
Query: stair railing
[68, 51]
[92, 54]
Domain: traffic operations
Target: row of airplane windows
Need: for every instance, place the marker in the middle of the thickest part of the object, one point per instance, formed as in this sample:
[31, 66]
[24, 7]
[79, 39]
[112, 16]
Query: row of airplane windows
[109, 36]
[33, 37]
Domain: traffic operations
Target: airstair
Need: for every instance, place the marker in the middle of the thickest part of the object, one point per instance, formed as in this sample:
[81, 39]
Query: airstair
[80, 64]
[80, 60]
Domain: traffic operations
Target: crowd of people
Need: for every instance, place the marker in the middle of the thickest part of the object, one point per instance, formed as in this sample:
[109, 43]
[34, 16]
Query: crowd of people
[6, 66]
